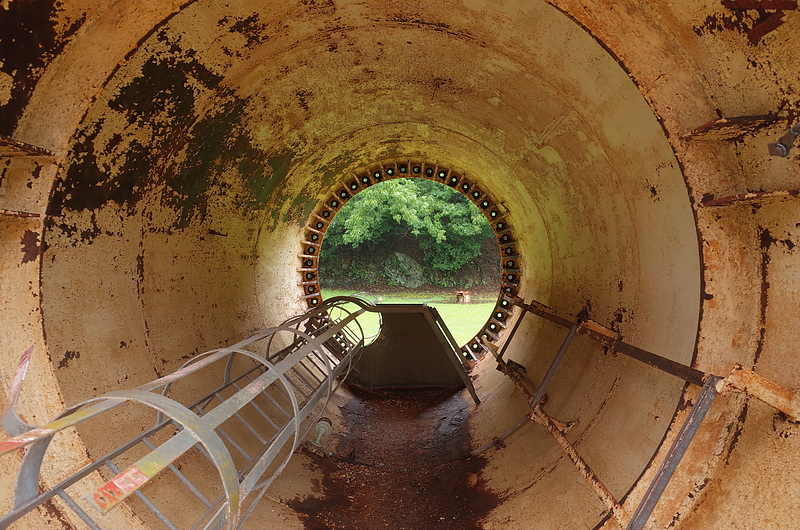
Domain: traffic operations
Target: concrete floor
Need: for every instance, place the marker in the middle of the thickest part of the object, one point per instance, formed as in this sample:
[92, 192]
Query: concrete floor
[190, 142]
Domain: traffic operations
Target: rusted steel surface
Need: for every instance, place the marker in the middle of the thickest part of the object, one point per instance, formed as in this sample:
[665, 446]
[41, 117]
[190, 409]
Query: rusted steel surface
[515, 372]
[608, 338]
[557, 430]
[752, 197]
[541, 310]
[769, 392]
[554, 365]
[731, 128]
[17, 213]
[675, 454]
[763, 28]
[10, 147]
[760, 4]
[594, 482]
[509, 337]
[740, 379]
[534, 397]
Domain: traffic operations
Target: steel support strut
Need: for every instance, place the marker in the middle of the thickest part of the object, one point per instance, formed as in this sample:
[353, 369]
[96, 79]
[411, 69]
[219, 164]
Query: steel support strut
[554, 365]
[740, 379]
[675, 454]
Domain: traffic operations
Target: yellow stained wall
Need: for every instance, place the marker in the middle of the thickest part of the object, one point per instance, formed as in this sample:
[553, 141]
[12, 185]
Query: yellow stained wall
[190, 142]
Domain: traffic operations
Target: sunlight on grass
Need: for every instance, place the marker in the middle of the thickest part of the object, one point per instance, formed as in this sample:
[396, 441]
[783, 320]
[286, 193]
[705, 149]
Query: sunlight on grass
[463, 320]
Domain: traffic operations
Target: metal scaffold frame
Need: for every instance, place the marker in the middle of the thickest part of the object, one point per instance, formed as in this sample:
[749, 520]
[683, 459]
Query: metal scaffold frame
[268, 385]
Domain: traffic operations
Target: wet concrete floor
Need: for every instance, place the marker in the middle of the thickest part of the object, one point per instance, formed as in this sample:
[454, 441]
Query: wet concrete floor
[403, 463]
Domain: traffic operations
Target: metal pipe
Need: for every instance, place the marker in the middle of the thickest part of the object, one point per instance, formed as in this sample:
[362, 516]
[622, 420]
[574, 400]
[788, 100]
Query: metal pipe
[761, 388]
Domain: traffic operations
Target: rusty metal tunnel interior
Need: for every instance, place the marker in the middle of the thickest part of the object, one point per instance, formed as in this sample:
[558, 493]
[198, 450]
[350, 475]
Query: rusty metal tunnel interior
[184, 148]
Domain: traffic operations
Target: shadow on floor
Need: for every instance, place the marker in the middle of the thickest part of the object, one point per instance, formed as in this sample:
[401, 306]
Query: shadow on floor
[403, 463]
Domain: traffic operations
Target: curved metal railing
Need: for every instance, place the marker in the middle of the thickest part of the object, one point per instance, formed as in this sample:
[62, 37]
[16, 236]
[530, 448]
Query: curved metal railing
[241, 429]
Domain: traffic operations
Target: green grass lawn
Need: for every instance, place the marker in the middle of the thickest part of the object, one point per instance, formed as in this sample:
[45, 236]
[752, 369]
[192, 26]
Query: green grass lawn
[463, 320]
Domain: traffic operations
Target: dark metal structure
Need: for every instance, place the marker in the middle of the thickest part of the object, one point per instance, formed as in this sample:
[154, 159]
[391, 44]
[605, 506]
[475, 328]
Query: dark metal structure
[415, 348]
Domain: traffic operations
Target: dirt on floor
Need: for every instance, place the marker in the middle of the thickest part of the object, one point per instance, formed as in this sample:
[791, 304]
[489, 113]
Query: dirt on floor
[403, 463]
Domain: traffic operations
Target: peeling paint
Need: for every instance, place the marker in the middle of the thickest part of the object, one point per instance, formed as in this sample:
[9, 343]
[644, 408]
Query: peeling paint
[30, 29]
[30, 246]
[69, 355]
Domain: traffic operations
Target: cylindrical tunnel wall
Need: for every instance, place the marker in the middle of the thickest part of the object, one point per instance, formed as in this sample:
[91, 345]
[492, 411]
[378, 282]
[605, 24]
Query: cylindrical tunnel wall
[176, 213]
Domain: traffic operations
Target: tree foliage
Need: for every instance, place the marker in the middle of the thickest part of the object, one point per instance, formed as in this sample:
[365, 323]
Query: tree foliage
[445, 225]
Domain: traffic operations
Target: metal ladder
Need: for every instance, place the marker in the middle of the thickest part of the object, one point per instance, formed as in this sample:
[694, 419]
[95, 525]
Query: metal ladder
[222, 429]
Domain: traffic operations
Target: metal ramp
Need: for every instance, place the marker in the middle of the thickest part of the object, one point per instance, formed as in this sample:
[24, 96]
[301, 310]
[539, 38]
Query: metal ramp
[415, 349]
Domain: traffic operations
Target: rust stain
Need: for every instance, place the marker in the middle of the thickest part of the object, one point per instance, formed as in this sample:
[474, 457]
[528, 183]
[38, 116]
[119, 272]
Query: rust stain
[762, 388]
[403, 462]
[594, 482]
[739, 338]
[30, 246]
[52, 510]
[68, 356]
[30, 29]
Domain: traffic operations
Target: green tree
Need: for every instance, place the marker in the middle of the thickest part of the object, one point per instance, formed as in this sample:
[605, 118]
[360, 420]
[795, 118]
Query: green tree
[446, 225]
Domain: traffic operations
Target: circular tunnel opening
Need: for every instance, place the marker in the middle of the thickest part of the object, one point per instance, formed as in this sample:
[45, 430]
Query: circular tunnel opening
[427, 209]
[192, 243]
